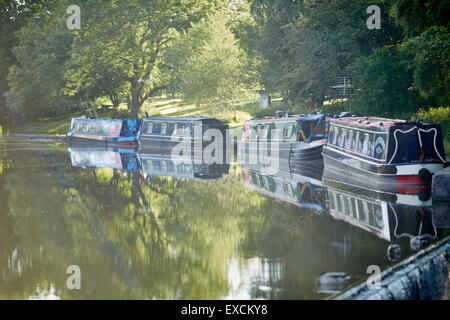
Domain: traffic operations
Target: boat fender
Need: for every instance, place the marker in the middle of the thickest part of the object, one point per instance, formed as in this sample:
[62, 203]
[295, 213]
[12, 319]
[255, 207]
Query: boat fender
[425, 174]
[424, 195]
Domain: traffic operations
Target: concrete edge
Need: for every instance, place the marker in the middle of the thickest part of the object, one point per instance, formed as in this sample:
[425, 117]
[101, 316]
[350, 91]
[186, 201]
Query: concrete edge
[421, 276]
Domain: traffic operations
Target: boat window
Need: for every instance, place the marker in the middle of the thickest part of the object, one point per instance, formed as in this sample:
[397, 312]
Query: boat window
[163, 165]
[287, 133]
[349, 139]
[149, 127]
[332, 201]
[92, 128]
[335, 134]
[287, 189]
[341, 139]
[187, 130]
[348, 206]
[254, 132]
[163, 129]
[320, 132]
[355, 141]
[340, 203]
[265, 131]
[365, 149]
[265, 182]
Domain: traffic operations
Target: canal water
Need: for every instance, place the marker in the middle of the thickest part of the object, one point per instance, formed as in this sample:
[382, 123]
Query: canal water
[136, 235]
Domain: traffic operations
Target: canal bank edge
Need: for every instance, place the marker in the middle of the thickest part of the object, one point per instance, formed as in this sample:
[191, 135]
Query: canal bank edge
[421, 276]
[34, 137]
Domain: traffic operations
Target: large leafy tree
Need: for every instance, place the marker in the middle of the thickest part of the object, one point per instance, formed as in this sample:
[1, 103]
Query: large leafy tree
[127, 38]
[36, 79]
[384, 85]
[13, 16]
[429, 60]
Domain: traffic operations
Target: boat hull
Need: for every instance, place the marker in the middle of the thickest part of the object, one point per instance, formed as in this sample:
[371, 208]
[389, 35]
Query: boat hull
[402, 178]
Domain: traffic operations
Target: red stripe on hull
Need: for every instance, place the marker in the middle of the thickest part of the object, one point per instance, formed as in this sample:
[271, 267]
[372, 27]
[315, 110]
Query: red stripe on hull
[411, 180]
[412, 189]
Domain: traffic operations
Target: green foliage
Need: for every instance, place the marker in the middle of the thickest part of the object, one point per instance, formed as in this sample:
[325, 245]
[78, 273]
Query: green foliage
[36, 80]
[306, 45]
[383, 84]
[439, 115]
[414, 16]
[208, 66]
[429, 60]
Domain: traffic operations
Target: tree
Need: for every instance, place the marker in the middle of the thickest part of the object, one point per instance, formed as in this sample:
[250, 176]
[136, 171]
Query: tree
[414, 16]
[306, 45]
[383, 84]
[129, 38]
[36, 80]
[208, 65]
[428, 57]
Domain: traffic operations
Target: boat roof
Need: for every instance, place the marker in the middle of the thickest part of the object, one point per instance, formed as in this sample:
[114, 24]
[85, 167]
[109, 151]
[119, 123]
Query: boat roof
[97, 119]
[370, 122]
[296, 117]
[191, 118]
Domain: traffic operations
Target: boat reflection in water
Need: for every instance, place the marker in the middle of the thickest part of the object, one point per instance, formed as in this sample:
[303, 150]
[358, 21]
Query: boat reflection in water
[117, 158]
[300, 185]
[391, 216]
[180, 167]
[403, 218]
[302, 191]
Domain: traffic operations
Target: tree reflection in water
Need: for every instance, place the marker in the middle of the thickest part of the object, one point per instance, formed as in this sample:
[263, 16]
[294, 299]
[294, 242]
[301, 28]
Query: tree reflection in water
[160, 237]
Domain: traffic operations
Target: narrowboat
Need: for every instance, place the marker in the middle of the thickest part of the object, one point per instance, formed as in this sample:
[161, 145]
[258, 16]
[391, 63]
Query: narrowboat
[391, 217]
[293, 138]
[383, 154]
[102, 157]
[179, 167]
[103, 132]
[197, 137]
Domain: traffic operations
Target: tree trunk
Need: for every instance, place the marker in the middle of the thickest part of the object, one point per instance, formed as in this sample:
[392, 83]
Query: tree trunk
[136, 102]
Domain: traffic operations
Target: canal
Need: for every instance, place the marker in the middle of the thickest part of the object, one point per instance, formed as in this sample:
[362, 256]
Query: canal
[136, 235]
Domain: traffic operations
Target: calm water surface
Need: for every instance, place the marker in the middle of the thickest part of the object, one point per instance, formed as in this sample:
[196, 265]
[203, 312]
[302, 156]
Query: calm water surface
[137, 235]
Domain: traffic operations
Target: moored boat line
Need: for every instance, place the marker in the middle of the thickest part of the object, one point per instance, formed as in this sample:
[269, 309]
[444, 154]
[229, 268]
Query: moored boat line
[385, 154]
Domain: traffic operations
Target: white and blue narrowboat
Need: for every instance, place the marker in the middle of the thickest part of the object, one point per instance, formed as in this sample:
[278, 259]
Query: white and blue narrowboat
[293, 138]
[104, 132]
[383, 154]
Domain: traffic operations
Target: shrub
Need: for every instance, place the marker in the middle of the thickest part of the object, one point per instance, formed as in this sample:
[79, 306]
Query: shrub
[439, 115]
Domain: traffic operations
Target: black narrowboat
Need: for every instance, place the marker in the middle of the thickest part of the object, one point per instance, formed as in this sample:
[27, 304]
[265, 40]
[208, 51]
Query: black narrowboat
[103, 132]
[383, 154]
[294, 138]
[184, 136]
